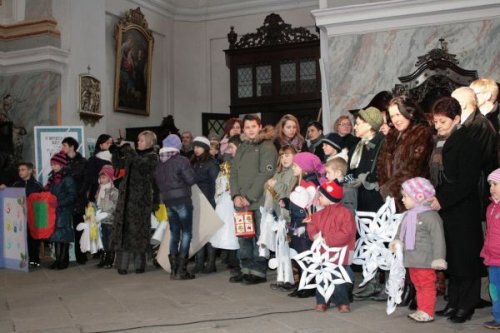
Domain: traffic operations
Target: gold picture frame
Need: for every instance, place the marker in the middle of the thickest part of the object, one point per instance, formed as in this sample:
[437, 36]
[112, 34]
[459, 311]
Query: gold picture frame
[134, 51]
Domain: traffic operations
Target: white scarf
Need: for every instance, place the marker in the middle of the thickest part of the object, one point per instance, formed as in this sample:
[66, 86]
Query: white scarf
[101, 193]
[358, 151]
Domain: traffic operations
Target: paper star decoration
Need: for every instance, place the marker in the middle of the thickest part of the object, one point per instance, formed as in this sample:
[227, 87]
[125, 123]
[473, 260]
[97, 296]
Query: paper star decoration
[396, 282]
[283, 259]
[320, 268]
[375, 231]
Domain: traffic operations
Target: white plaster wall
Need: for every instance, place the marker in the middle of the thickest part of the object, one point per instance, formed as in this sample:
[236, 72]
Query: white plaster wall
[201, 75]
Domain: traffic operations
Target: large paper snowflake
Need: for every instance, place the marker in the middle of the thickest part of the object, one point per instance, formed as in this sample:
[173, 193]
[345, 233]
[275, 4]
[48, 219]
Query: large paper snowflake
[320, 268]
[396, 282]
[375, 231]
[282, 261]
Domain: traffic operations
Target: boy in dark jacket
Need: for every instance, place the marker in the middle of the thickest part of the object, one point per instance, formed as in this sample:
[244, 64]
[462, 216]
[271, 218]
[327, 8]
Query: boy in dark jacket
[25, 171]
[174, 177]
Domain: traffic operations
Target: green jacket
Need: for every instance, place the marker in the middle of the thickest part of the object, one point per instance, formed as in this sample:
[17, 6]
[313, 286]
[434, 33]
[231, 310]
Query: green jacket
[253, 165]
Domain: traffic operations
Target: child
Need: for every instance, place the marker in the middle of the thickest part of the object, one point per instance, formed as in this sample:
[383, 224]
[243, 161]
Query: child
[308, 169]
[63, 187]
[336, 225]
[106, 199]
[25, 171]
[422, 237]
[225, 238]
[331, 145]
[491, 248]
[206, 169]
[175, 176]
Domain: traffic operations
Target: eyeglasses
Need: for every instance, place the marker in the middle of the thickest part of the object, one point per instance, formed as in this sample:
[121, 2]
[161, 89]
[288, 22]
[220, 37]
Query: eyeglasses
[345, 124]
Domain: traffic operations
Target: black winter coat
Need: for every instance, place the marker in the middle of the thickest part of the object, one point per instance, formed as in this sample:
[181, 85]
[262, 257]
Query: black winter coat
[31, 185]
[65, 192]
[76, 169]
[206, 174]
[457, 195]
[91, 176]
[174, 179]
[138, 198]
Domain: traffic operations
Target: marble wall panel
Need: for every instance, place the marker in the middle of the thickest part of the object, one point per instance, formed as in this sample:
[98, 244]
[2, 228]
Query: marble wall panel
[362, 65]
[37, 9]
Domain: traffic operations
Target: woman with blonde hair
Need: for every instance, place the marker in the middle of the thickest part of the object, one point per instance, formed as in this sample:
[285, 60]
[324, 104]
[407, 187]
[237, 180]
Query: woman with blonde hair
[287, 133]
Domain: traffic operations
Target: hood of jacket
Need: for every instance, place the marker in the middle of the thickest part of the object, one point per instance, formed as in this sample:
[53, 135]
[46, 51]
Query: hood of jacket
[266, 133]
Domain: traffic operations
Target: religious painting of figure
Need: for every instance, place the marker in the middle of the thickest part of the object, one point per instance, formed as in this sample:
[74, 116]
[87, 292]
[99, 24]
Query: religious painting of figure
[90, 94]
[134, 49]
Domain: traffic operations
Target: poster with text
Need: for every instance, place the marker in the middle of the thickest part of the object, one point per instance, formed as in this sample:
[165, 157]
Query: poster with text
[13, 229]
[48, 141]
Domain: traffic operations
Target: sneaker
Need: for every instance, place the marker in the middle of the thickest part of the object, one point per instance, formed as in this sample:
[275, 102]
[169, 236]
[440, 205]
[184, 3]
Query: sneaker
[492, 324]
[421, 317]
[34, 264]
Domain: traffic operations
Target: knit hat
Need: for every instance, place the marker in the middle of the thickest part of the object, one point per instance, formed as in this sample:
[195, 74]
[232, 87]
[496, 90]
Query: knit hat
[334, 140]
[202, 142]
[60, 158]
[372, 116]
[419, 189]
[494, 176]
[333, 191]
[108, 171]
[172, 143]
[309, 163]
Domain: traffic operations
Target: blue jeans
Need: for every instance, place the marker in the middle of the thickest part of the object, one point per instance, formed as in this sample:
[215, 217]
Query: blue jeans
[251, 262]
[180, 218]
[106, 230]
[341, 294]
[494, 276]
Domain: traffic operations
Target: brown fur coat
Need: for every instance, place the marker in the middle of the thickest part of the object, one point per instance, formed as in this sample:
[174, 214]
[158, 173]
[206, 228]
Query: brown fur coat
[403, 156]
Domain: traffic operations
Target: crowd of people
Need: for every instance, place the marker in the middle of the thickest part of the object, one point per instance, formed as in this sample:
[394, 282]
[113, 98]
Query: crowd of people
[441, 167]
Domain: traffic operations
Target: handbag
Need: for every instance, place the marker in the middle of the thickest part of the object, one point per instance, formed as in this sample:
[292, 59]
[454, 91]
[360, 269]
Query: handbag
[244, 224]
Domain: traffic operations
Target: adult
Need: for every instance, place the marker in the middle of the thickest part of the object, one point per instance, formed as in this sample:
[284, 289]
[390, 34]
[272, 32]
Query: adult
[187, 144]
[138, 198]
[287, 133]
[252, 166]
[231, 127]
[406, 149]
[486, 91]
[76, 169]
[455, 168]
[314, 135]
[343, 128]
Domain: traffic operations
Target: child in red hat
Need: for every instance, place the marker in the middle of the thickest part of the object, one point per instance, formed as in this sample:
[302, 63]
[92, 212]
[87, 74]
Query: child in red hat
[336, 225]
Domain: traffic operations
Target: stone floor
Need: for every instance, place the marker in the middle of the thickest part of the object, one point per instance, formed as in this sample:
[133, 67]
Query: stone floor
[84, 299]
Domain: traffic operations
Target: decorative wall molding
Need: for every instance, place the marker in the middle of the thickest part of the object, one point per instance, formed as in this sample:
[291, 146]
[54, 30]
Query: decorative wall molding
[206, 13]
[29, 29]
[401, 14]
[47, 58]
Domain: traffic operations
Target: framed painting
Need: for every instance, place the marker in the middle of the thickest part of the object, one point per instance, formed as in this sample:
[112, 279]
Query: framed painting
[134, 51]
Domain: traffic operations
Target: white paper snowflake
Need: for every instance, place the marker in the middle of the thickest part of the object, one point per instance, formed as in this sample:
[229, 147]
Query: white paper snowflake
[283, 259]
[320, 269]
[376, 230]
[396, 282]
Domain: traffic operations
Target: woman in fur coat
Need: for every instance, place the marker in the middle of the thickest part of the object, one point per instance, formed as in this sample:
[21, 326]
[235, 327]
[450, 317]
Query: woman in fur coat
[406, 150]
[138, 198]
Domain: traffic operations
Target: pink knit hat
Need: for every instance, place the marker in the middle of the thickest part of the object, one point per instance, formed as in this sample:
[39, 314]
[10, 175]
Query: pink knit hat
[60, 158]
[309, 163]
[494, 176]
[108, 171]
[419, 189]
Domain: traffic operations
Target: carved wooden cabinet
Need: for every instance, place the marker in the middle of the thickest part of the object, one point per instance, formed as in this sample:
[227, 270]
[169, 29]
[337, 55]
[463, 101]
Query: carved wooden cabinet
[275, 71]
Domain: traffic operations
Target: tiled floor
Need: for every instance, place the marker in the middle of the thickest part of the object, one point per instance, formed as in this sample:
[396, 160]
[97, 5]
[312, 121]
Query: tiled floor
[84, 299]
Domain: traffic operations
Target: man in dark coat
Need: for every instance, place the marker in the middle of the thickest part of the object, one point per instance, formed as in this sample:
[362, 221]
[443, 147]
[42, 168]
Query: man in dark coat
[76, 169]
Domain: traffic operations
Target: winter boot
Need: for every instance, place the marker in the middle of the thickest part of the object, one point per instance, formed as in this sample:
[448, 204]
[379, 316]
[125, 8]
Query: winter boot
[408, 294]
[174, 265]
[369, 289]
[182, 273]
[109, 260]
[64, 258]
[102, 260]
[200, 261]
[210, 267]
[57, 250]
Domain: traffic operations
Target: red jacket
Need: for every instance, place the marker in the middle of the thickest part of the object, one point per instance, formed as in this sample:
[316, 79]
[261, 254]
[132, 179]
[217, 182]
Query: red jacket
[337, 227]
[491, 247]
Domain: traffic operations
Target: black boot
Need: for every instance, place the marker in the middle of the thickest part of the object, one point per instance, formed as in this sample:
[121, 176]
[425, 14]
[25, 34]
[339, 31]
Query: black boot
[102, 260]
[210, 267]
[200, 261]
[64, 259]
[109, 260]
[182, 273]
[57, 250]
[174, 265]
[409, 294]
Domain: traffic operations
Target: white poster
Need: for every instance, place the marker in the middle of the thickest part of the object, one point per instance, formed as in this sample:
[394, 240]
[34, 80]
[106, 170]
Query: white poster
[48, 142]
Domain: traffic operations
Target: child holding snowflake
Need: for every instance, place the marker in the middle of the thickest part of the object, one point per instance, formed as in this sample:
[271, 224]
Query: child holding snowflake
[335, 223]
[422, 237]
[491, 248]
